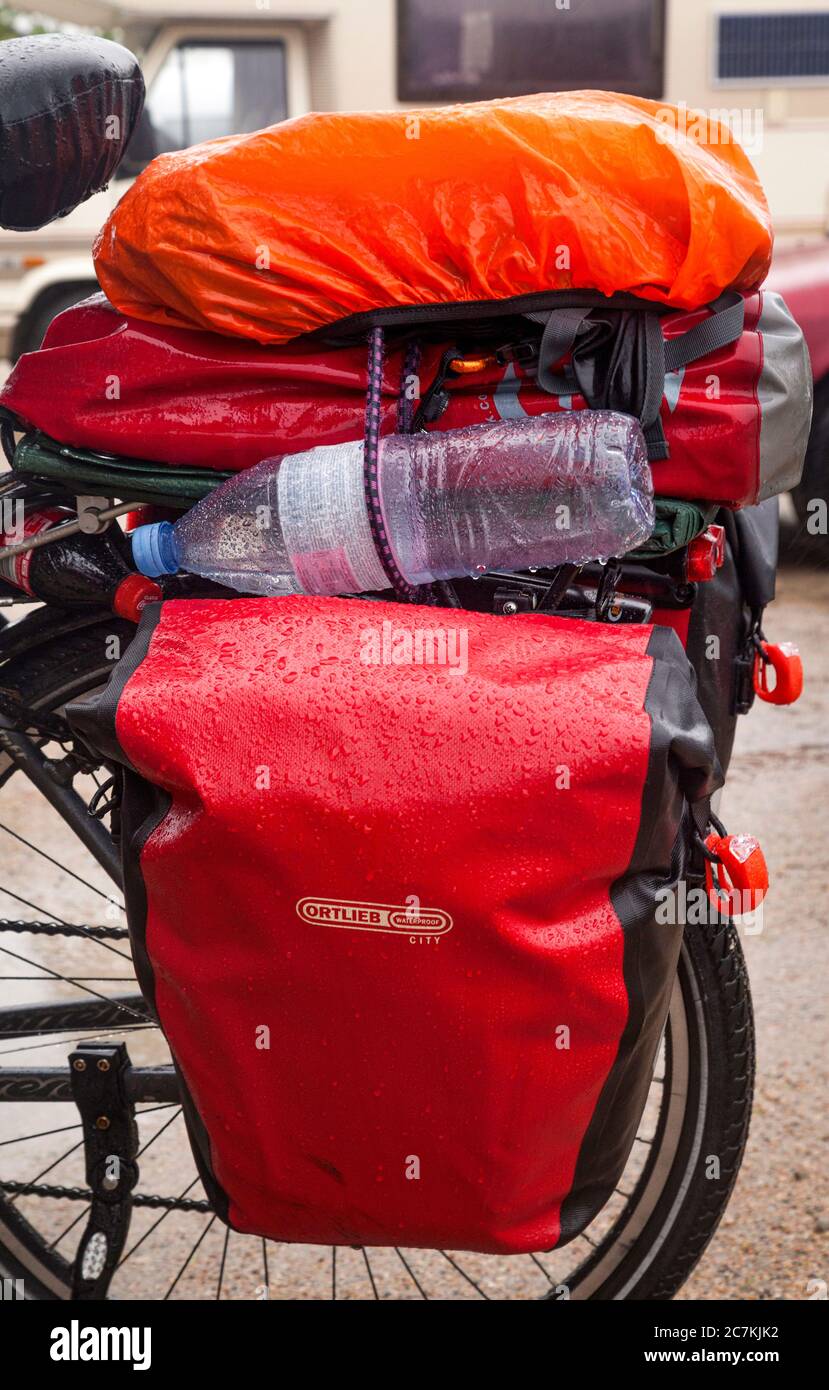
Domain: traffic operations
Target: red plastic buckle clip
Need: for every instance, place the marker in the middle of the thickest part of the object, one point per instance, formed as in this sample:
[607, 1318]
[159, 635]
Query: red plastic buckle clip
[705, 555]
[742, 873]
[786, 662]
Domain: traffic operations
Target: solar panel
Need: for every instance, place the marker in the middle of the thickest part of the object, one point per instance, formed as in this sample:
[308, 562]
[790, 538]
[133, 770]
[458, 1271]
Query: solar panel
[774, 46]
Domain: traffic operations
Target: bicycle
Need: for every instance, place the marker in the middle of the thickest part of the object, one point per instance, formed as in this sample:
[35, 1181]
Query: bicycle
[102, 1068]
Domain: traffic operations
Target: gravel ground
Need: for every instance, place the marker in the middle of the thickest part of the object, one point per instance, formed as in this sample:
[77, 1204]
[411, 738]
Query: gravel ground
[773, 1239]
[772, 1242]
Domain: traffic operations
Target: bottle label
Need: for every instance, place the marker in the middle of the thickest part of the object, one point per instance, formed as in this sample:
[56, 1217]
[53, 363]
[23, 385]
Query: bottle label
[324, 572]
[15, 569]
[322, 512]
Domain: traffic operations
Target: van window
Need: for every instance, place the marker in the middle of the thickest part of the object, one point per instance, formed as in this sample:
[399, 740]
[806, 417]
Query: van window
[206, 89]
[462, 50]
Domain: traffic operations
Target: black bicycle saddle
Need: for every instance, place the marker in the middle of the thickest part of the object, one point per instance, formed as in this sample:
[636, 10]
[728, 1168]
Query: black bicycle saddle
[68, 107]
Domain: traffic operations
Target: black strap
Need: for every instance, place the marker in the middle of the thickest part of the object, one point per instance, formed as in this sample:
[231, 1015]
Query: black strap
[723, 325]
[654, 371]
[655, 440]
[561, 328]
[650, 417]
[557, 384]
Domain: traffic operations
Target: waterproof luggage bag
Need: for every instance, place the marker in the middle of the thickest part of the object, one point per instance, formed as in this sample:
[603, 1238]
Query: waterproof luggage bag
[337, 216]
[728, 423]
[393, 877]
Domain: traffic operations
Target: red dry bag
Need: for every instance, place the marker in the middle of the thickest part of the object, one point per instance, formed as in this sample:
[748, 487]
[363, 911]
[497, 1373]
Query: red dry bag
[729, 423]
[392, 876]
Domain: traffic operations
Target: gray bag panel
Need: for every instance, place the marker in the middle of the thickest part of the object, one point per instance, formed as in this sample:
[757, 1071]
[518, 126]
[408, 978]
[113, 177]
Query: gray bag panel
[784, 394]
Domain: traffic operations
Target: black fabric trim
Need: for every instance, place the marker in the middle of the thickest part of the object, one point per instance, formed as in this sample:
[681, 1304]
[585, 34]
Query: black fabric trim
[754, 532]
[355, 326]
[718, 611]
[143, 808]
[93, 719]
[682, 769]
[724, 325]
[200, 1145]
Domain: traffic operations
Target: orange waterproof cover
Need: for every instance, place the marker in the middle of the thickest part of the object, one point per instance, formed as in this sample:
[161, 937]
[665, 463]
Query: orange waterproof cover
[274, 234]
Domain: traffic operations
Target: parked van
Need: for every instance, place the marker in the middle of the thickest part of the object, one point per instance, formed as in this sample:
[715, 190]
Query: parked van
[209, 72]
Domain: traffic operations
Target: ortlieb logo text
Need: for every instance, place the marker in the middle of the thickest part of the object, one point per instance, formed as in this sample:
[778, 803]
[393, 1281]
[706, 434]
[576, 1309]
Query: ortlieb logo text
[386, 917]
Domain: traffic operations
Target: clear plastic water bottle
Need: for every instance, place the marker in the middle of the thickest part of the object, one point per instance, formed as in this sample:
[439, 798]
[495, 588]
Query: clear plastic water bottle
[566, 487]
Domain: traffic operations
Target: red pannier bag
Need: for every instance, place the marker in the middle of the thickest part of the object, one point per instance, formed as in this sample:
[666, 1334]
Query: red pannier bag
[732, 427]
[392, 879]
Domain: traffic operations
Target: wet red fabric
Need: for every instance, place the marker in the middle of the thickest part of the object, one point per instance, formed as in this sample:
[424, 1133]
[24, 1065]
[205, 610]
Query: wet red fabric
[271, 235]
[416, 1087]
[199, 399]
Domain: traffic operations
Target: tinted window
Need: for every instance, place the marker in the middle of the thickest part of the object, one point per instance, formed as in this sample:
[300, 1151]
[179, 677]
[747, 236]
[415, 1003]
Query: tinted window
[204, 90]
[460, 50]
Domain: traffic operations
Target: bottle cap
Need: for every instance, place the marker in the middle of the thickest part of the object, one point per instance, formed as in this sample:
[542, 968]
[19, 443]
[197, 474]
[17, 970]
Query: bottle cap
[134, 593]
[154, 548]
